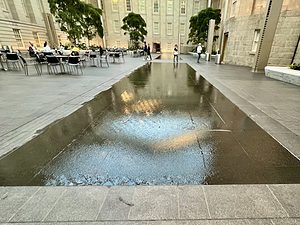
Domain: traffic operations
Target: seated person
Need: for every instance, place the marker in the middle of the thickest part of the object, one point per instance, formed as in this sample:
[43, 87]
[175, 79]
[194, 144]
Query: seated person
[32, 50]
[46, 47]
[75, 51]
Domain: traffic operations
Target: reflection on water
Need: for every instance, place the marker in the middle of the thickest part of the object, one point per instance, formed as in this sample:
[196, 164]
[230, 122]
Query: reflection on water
[164, 124]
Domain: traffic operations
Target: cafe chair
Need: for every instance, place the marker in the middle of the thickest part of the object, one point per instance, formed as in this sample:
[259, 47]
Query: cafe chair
[93, 58]
[104, 59]
[52, 64]
[74, 64]
[13, 61]
[26, 64]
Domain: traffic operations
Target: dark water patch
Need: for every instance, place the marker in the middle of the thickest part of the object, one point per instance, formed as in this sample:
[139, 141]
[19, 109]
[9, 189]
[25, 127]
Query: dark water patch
[164, 124]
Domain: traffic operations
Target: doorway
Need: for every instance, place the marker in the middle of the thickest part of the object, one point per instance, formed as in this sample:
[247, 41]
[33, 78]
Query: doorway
[156, 47]
[224, 47]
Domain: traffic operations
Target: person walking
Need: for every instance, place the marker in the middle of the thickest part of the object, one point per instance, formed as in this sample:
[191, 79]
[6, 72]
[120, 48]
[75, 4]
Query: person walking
[175, 53]
[149, 52]
[199, 50]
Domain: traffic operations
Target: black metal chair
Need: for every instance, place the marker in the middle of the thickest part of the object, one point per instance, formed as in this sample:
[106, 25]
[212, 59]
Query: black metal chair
[13, 59]
[74, 64]
[26, 64]
[104, 58]
[52, 63]
[93, 58]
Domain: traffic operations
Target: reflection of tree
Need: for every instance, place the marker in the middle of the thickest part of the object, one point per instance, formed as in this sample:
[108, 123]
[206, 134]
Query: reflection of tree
[141, 76]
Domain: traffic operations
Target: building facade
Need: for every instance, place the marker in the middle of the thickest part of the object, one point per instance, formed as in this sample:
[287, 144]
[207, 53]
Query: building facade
[257, 33]
[167, 21]
[22, 21]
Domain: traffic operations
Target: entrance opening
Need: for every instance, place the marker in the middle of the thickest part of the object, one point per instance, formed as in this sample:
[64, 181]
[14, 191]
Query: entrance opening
[156, 47]
[224, 46]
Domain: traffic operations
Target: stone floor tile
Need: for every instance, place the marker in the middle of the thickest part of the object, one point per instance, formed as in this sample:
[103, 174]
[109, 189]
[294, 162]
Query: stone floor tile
[176, 222]
[240, 222]
[117, 204]
[242, 201]
[192, 204]
[13, 199]
[39, 205]
[153, 203]
[290, 140]
[290, 221]
[78, 204]
[125, 223]
[289, 197]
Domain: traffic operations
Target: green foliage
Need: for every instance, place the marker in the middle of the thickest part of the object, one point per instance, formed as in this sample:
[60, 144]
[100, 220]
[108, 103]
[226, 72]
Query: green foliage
[135, 26]
[295, 66]
[77, 18]
[199, 24]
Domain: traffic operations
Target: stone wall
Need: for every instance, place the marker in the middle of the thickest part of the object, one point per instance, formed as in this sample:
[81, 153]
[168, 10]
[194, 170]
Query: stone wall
[25, 21]
[116, 37]
[240, 39]
[285, 40]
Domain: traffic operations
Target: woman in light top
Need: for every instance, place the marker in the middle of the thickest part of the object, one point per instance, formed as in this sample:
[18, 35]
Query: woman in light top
[46, 47]
[175, 53]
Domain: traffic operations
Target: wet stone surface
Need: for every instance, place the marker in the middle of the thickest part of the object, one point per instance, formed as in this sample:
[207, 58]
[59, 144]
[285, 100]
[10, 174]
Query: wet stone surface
[164, 124]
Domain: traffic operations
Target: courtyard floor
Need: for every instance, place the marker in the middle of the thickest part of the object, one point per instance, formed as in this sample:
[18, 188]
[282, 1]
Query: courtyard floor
[28, 104]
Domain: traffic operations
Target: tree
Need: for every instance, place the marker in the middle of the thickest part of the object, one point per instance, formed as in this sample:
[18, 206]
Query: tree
[77, 18]
[91, 22]
[135, 26]
[199, 24]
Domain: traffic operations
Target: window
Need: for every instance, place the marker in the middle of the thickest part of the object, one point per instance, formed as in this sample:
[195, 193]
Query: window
[36, 39]
[142, 6]
[114, 5]
[170, 4]
[128, 5]
[233, 8]
[116, 26]
[182, 7]
[196, 6]
[155, 28]
[255, 40]
[18, 38]
[155, 6]
[182, 28]
[169, 46]
[169, 28]
[3, 5]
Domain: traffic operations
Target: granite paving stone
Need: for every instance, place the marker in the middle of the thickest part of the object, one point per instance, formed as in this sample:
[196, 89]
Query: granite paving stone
[288, 196]
[78, 204]
[13, 199]
[242, 201]
[290, 221]
[192, 204]
[153, 203]
[117, 204]
[39, 205]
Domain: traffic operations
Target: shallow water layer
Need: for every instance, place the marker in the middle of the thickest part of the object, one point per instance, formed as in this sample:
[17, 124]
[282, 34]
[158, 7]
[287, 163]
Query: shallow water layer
[164, 124]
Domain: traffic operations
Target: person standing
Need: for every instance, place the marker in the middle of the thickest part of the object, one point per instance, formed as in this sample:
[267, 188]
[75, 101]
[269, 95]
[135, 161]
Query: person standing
[175, 53]
[149, 52]
[145, 51]
[199, 50]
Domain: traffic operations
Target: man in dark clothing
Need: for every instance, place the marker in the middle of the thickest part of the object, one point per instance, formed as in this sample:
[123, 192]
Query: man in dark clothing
[148, 52]
[145, 50]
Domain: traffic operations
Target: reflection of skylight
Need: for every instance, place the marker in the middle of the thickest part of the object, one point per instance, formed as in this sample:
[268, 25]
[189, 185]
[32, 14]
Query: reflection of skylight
[162, 131]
